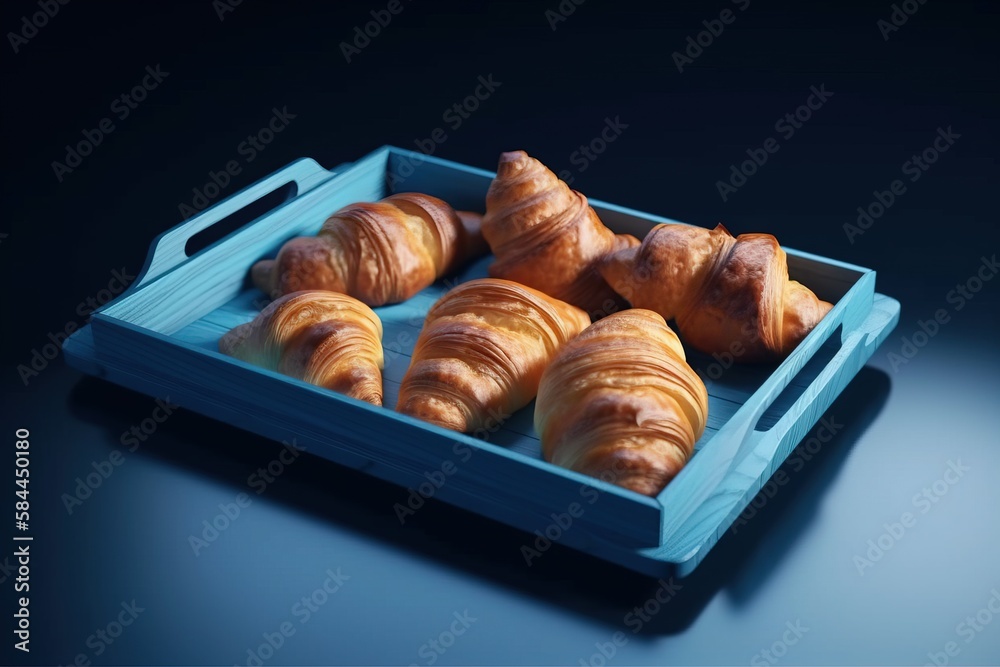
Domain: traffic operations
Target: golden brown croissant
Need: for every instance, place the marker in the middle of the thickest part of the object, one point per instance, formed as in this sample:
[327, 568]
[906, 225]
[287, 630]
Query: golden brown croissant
[726, 294]
[382, 252]
[482, 351]
[547, 236]
[620, 402]
[324, 338]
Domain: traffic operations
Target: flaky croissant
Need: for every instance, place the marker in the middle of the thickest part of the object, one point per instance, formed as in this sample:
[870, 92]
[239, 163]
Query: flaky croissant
[382, 252]
[482, 351]
[547, 236]
[620, 403]
[324, 338]
[726, 295]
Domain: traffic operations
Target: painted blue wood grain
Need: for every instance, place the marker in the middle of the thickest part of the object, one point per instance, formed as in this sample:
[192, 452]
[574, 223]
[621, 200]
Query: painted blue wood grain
[161, 338]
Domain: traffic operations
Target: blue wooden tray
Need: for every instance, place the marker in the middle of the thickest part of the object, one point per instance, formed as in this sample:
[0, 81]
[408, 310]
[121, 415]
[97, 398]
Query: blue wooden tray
[160, 338]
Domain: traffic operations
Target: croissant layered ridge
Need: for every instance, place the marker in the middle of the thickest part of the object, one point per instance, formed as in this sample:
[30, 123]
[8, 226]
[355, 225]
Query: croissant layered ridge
[547, 236]
[620, 403]
[482, 351]
[726, 294]
[324, 338]
[380, 252]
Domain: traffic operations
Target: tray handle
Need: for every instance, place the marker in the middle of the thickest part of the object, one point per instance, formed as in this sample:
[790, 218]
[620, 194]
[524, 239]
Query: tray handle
[683, 541]
[168, 249]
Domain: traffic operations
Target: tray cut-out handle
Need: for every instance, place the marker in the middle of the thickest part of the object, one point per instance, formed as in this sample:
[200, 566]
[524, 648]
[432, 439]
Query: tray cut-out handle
[169, 248]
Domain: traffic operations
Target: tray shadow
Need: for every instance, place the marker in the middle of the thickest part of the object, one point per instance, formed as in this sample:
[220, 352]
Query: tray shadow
[564, 578]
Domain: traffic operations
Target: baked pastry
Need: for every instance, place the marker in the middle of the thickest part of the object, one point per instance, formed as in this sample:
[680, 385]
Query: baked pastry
[620, 402]
[324, 338]
[381, 252]
[726, 295]
[482, 351]
[547, 236]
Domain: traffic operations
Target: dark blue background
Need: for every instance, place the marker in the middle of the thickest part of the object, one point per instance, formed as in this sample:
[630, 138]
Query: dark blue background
[792, 562]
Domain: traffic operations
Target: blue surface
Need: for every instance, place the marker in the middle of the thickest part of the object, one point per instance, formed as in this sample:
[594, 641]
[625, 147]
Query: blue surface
[792, 561]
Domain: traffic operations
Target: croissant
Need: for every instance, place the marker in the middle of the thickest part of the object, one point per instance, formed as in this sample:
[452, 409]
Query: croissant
[726, 295]
[620, 402]
[382, 252]
[547, 236]
[482, 351]
[324, 338]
